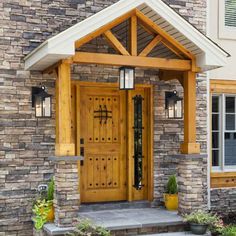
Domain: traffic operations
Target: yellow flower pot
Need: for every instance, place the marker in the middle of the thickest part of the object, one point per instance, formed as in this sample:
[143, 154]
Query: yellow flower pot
[171, 202]
[50, 215]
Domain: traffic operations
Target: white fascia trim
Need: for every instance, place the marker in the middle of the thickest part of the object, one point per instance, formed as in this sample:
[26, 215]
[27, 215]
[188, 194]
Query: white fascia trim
[190, 32]
[36, 55]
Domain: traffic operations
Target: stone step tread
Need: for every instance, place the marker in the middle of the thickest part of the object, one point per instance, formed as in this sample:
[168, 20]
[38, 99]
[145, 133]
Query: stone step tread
[133, 218]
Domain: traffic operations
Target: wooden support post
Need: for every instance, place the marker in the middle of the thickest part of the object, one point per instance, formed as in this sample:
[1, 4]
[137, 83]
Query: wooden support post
[190, 146]
[134, 36]
[64, 144]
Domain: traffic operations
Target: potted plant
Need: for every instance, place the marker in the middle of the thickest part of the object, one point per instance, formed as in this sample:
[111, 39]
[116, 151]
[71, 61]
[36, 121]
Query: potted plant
[171, 195]
[43, 210]
[200, 221]
[50, 197]
[217, 227]
[40, 210]
[86, 228]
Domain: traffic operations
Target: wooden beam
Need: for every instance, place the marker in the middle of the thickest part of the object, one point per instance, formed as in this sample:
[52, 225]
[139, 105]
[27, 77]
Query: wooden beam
[170, 75]
[172, 48]
[103, 29]
[150, 31]
[64, 144]
[190, 146]
[133, 36]
[150, 46]
[118, 60]
[111, 38]
[148, 23]
[51, 69]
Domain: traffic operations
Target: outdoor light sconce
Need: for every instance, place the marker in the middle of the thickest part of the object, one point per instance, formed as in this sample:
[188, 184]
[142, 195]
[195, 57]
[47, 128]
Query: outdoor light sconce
[127, 77]
[174, 105]
[41, 100]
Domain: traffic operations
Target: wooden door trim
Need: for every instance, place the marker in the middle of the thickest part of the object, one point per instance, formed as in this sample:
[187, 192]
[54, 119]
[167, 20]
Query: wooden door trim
[106, 85]
[150, 163]
[148, 92]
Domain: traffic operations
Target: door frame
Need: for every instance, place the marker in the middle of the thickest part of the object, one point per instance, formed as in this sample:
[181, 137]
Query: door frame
[76, 85]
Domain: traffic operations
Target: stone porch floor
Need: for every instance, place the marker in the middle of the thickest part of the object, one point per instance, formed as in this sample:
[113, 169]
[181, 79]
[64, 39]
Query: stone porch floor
[119, 219]
[133, 218]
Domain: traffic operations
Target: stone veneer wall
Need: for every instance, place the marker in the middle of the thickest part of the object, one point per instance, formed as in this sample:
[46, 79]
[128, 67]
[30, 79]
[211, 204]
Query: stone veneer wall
[223, 201]
[26, 142]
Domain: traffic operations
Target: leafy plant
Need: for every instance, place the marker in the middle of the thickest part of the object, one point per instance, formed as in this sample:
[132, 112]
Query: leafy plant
[229, 231]
[40, 210]
[217, 226]
[201, 217]
[172, 187]
[86, 228]
[50, 191]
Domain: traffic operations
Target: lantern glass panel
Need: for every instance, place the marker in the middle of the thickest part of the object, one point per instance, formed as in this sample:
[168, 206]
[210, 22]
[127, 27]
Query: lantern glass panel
[129, 77]
[171, 109]
[122, 78]
[47, 107]
[178, 109]
[38, 107]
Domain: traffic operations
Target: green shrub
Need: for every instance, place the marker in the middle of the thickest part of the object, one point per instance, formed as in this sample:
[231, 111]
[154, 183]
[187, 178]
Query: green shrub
[50, 191]
[229, 231]
[201, 217]
[217, 226]
[86, 228]
[42, 206]
[172, 187]
[40, 210]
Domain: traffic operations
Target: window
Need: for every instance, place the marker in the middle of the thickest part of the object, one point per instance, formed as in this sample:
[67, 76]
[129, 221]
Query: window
[223, 132]
[227, 19]
[230, 13]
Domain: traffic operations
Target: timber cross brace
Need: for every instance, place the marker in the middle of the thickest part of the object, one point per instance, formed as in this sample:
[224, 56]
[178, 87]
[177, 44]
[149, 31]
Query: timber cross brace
[182, 67]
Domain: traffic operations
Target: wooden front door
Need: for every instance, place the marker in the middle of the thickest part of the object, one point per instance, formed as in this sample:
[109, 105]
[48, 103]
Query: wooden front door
[103, 144]
[114, 133]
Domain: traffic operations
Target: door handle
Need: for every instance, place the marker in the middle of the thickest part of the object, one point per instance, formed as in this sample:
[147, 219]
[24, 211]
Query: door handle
[82, 151]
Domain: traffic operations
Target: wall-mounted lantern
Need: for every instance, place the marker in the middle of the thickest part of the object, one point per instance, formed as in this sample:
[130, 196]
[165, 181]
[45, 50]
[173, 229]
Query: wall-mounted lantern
[127, 77]
[174, 105]
[42, 101]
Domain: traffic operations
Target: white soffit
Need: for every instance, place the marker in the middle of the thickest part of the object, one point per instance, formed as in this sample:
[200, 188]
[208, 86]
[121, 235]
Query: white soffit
[209, 55]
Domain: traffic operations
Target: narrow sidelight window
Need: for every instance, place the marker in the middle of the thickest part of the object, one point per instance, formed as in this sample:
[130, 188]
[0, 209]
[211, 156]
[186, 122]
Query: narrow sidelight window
[138, 141]
[216, 131]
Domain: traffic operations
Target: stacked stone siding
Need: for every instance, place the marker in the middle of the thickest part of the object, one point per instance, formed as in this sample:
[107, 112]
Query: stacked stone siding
[27, 142]
[223, 201]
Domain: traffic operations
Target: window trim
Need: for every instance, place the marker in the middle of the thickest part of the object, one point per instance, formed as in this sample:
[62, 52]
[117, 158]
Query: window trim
[222, 130]
[225, 32]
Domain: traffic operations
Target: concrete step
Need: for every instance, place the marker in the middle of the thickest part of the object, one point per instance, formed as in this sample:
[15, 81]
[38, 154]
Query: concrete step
[139, 221]
[114, 206]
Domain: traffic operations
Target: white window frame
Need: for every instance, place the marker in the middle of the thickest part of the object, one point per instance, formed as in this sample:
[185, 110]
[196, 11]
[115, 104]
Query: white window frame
[222, 130]
[225, 32]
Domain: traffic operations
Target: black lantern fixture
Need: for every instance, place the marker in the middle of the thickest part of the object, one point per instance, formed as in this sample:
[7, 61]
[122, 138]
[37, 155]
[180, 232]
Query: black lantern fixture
[174, 105]
[41, 100]
[127, 77]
